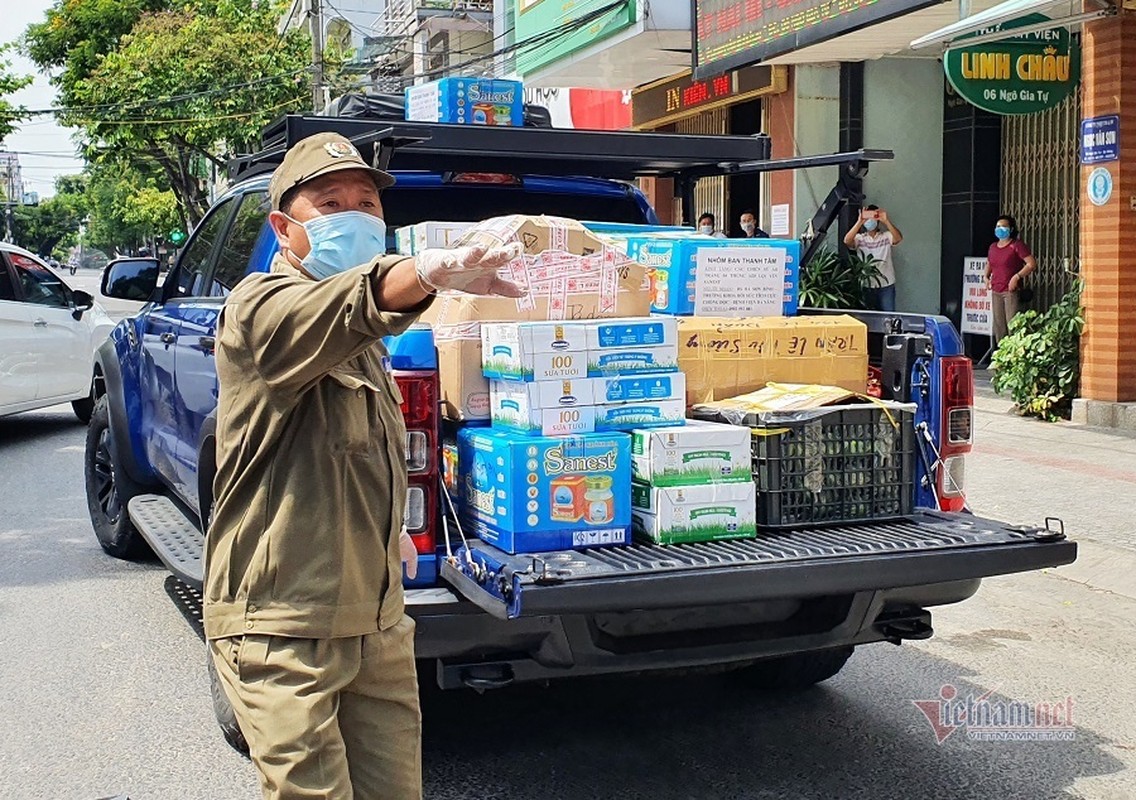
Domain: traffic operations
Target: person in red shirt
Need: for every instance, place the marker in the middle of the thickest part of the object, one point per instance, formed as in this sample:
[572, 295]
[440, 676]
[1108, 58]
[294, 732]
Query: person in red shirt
[1008, 263]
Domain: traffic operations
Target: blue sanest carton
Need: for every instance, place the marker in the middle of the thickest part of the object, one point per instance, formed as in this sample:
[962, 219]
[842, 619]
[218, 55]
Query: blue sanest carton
[675, 261]
[528, 494]
[467, 101]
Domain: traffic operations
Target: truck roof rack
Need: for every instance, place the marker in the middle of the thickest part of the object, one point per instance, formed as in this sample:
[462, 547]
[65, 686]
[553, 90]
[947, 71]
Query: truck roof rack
[617, 155]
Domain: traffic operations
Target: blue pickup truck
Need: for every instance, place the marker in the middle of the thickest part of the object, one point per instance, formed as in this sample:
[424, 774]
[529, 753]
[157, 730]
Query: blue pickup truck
[786, 609]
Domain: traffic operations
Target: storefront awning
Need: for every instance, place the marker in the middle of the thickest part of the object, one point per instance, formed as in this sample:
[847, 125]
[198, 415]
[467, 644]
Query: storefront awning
[1060, 12]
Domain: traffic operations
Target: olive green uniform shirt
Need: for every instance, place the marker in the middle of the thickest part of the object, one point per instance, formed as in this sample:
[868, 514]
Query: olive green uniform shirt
[311, 459]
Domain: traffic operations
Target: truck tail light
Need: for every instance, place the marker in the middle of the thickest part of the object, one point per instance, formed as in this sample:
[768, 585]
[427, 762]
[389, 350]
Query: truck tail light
[419, 398]
[420, 412]
[957, 435]
[422, 514]
[417, 451]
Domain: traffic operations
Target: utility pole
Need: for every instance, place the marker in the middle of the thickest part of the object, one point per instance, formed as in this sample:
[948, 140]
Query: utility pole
[316, 21]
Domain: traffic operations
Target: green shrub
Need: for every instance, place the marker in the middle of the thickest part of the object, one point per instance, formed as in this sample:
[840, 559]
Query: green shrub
[1039, 363]
[829, 281]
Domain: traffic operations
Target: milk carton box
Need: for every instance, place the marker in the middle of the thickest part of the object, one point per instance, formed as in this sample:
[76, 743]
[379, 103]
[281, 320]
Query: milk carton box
[706, 513]
[535, 351]
[609, 334]
[617, 389]
[548, 408]
[697, 453]
[643, 414]
[413, 239]
[632, 360]
[536, 494]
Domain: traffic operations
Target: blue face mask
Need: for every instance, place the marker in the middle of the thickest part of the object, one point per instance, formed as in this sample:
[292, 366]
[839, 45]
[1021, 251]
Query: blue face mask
[341, 241]
[871, 224]
[1002, 232]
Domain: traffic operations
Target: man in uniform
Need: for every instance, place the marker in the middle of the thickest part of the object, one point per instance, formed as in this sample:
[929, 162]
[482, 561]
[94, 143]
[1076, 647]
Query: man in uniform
[305, 550]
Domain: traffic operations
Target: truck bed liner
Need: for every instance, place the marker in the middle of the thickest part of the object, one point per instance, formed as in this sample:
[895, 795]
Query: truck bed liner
[924, 548]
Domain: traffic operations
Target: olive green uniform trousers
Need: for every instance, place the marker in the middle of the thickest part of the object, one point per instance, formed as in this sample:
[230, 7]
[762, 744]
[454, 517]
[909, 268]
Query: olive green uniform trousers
[334, 719]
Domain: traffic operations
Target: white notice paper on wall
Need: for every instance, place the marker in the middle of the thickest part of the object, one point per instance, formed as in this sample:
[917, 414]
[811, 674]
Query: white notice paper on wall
[740, 281]
[976, 312]
[779, 220]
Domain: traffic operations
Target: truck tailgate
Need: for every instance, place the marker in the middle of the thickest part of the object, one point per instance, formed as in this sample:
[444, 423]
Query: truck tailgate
[925, 548]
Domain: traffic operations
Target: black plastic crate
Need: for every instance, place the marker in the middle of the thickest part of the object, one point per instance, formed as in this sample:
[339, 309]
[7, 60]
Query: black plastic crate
[849, 463]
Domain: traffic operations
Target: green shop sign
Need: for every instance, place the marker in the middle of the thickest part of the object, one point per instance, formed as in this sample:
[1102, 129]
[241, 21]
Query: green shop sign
[1020, 74]
[547, 31]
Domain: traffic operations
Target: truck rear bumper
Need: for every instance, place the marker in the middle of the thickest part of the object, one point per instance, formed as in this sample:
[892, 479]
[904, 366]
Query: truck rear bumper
[473, 649]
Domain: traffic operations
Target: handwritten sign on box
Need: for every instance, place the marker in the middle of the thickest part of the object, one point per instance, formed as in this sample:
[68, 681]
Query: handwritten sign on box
[740, 282]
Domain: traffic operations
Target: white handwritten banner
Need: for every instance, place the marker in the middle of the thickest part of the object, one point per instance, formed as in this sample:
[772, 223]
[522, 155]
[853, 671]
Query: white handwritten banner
[976, 313]
[740, 281]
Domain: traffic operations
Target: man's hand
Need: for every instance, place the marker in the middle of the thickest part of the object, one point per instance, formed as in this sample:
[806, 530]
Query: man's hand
[1015, 282]
[469, 269]
[409, 554]
[882, 215]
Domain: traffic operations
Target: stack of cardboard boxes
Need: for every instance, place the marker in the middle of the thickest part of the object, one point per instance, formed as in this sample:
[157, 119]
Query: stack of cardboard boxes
[693, 484]
[554, 471]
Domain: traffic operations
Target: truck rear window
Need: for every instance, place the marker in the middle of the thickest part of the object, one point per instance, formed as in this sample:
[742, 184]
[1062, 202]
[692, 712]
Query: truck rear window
[407, 205]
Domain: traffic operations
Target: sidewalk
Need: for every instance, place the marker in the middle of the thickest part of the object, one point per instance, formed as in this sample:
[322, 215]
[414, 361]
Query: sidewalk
[1025, 470]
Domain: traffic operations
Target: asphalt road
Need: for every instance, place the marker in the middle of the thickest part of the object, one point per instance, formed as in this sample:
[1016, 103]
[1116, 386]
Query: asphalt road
[103, 690]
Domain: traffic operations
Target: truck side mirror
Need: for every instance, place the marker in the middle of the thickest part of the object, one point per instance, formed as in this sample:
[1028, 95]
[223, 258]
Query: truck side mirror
[130, 278]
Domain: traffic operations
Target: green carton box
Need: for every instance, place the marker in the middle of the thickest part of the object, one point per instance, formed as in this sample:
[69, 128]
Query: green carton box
[696, 453]
[706, 513]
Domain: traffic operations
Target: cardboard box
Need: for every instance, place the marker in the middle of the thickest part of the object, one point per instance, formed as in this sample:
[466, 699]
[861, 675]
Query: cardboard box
[725, 357]
[557, 408]
[605, 335]
[643, 414]
[534, 351]
[674, 260]
[465, 391]
[547, 408]
[413, 239]
[697, 453]
[534, 494]
[632, 361]
[599, 282]
[706, 513]
[635, 388]
[467, 101]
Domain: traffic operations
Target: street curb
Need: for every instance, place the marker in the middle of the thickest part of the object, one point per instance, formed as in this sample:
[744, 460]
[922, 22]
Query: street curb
[1103, 567]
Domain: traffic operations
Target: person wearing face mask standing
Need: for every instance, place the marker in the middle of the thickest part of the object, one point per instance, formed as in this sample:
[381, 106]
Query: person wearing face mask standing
[303, 599]
[707, 226]
[748, 224]
[870, 240]
[1008, 262]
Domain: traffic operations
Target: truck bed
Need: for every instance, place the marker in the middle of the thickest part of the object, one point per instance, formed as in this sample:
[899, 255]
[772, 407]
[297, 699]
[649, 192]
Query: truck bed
[922, 549]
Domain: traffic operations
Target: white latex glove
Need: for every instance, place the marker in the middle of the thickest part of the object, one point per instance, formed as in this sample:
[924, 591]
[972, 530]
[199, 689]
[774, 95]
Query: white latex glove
[409, 554]
[468, 269]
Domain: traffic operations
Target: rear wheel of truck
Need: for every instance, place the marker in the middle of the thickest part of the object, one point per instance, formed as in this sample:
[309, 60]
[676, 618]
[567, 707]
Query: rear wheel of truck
[798, 671]
[223, 709]
[109, 489]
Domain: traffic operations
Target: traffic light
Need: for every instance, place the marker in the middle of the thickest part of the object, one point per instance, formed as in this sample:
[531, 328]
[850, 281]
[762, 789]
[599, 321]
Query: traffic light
[176, 237]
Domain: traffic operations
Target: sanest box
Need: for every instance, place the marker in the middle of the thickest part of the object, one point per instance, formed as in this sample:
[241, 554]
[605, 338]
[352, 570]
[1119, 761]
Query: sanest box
[534, 494]
[674, 259]
[467, 101]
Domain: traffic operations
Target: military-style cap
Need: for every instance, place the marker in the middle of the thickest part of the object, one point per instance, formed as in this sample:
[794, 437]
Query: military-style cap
[317, 155]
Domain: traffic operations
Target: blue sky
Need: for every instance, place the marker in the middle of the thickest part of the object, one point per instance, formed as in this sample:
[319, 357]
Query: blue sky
[40, 135]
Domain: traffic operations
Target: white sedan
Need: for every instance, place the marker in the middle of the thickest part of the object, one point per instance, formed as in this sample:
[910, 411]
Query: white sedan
[48, 336]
